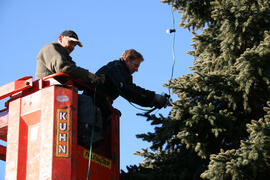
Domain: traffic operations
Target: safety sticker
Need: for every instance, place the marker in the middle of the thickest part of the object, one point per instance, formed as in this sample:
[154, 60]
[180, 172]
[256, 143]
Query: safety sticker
[62, 132]
[62, 98]
[98, 159]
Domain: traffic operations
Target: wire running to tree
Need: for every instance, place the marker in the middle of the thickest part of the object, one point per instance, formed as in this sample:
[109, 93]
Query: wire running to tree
[173, 45]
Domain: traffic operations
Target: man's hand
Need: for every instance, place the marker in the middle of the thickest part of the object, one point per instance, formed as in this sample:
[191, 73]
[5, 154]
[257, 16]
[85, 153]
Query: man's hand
[96, 80]
[161, 101]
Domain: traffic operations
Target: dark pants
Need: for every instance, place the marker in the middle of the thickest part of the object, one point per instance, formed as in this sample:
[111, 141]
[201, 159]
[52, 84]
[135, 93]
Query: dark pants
[89, 118]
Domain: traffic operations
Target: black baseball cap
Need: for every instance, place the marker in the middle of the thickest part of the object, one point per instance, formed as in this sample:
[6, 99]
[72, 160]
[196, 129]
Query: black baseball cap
[72, 35]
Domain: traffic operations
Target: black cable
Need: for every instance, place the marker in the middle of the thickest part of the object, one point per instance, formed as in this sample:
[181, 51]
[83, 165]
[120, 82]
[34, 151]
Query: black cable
[119, 90]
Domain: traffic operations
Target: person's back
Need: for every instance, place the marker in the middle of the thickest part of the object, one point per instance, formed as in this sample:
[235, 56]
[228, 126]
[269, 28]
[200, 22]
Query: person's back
[116, 72]
[119, 81]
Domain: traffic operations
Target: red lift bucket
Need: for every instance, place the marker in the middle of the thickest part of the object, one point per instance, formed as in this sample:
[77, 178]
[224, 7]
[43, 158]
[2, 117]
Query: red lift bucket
[40, 127]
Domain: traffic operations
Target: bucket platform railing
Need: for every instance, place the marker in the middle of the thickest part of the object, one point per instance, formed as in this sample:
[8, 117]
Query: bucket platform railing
[39, 124]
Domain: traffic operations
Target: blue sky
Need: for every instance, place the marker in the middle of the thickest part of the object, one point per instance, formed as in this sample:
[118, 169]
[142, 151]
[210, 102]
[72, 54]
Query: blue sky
[106, 28]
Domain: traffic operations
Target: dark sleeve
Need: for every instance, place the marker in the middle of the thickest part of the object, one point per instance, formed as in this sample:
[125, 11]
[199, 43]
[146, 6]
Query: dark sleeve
[137, 95]
[118, 75]
[63, 63]
[73, 70]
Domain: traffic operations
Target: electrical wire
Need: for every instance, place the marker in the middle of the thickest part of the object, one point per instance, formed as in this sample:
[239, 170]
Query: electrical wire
[173, 52]
[172, 69]
[142, 109]
[92, 136]
[120, 92]
[148, 111]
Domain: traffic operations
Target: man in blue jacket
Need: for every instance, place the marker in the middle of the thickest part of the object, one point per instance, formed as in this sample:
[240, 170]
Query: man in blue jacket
[119, 81]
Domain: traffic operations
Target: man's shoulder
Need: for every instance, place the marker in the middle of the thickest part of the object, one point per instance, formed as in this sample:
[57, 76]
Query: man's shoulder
[52, 45]
[115, 63]
[108, 67]
[52, 48]
[119, 68]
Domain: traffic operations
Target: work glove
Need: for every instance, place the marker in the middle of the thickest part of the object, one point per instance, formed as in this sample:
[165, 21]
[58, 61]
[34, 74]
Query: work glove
[96, 80]
[161, 101]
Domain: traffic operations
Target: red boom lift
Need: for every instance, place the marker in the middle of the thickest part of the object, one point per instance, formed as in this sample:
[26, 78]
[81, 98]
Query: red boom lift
[39, 125]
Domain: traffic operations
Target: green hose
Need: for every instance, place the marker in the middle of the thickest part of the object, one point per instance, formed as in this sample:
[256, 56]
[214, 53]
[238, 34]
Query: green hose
[92, 137]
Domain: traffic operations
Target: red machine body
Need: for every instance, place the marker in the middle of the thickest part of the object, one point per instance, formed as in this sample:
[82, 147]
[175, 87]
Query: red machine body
[40, 127]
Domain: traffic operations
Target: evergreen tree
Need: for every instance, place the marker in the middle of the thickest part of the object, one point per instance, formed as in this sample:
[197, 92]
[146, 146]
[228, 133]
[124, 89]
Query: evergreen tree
[218, 128]
[251, 161]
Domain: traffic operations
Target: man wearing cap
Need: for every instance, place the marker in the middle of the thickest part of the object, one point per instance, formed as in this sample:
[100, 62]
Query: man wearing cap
[55, 57]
